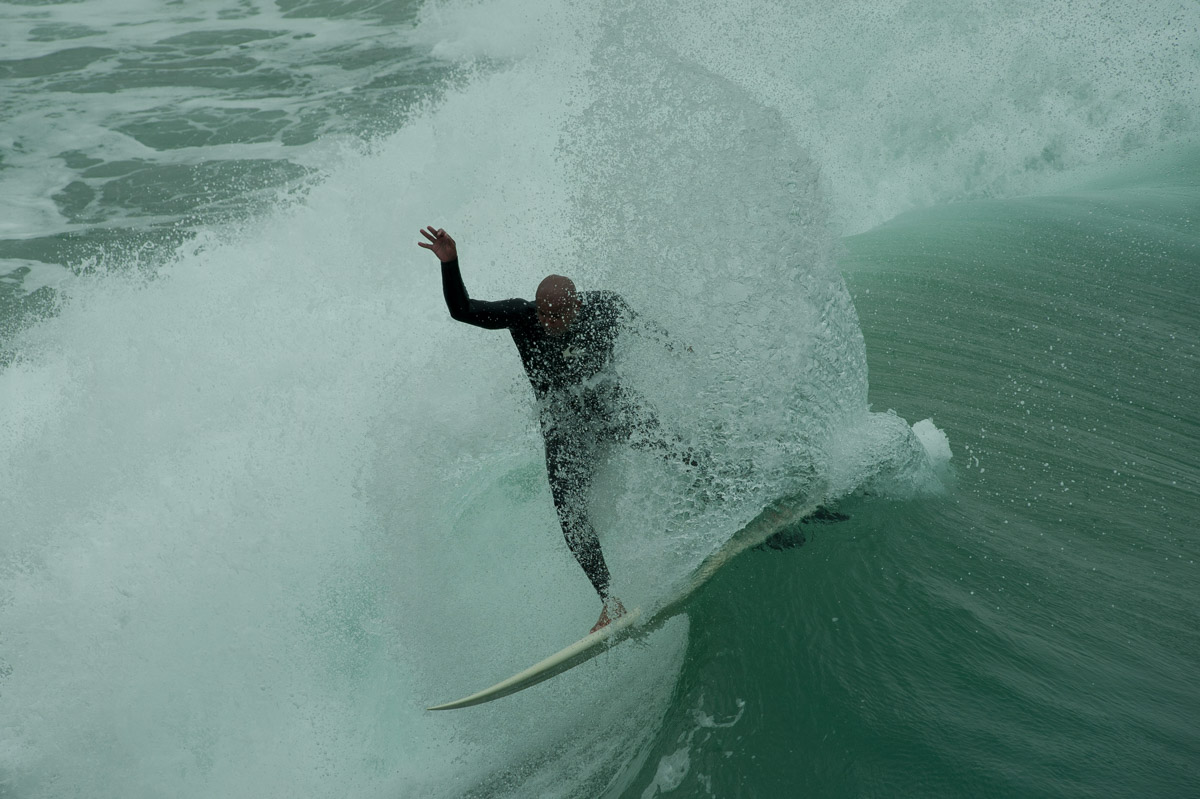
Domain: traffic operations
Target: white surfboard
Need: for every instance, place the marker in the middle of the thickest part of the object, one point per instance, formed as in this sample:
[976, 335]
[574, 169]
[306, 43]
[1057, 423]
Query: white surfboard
[773, 518]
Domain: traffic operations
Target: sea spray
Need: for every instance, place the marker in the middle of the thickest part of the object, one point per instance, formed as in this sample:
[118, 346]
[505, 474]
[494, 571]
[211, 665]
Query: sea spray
[696, 201]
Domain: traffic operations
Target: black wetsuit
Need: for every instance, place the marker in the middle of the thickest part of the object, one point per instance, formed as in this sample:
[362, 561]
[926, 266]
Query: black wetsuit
[581, 404]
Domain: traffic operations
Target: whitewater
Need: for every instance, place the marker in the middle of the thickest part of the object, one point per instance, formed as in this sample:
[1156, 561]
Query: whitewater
[263, 501]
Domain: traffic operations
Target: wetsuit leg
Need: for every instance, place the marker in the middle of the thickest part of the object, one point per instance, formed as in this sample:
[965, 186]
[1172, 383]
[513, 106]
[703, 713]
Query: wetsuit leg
[569, 468]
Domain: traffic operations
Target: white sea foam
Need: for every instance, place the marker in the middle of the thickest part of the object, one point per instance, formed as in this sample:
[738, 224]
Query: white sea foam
[241, 516]
[32, 275]
[906, 105]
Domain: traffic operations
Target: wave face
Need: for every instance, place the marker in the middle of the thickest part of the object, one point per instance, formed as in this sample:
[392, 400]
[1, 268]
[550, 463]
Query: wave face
[264, 501]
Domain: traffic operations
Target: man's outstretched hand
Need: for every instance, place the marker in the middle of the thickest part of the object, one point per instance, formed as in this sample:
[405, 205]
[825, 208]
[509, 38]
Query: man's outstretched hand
[441, 244]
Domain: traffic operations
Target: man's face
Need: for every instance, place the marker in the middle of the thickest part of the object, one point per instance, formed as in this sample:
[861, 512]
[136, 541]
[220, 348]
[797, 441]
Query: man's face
[557, 304]
[557, 314]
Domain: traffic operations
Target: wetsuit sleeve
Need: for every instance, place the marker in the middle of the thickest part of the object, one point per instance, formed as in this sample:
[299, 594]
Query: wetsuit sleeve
[491, 315]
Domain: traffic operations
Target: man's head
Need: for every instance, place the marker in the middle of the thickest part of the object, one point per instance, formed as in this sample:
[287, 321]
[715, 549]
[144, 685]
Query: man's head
[557, 304]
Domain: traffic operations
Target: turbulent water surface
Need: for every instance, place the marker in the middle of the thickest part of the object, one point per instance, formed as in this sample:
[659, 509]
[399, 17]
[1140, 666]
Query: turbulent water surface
[263, 501]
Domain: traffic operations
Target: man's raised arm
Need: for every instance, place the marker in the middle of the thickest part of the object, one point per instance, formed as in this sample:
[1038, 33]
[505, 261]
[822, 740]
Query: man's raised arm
[490, 315]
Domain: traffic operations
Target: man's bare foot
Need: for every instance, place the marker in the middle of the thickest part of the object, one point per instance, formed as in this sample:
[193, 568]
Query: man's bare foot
[606, 618]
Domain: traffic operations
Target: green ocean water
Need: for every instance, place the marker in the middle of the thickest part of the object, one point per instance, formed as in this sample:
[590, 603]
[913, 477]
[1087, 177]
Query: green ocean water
[1031, 634]
[263, 502]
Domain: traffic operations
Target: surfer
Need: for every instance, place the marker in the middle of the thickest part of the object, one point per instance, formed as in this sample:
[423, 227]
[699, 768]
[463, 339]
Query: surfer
[565, 338]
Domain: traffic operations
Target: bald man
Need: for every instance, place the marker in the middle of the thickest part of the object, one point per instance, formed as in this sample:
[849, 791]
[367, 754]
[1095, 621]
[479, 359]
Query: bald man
[565, 338]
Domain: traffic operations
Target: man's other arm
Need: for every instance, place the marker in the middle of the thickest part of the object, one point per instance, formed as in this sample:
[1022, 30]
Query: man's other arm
[642, 326]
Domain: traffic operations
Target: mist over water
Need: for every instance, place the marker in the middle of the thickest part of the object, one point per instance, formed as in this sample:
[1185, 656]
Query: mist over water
[264, 502]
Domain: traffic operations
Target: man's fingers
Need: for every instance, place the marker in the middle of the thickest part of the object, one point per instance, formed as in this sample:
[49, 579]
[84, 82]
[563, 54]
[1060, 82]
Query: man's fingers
[441, 244]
